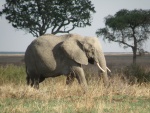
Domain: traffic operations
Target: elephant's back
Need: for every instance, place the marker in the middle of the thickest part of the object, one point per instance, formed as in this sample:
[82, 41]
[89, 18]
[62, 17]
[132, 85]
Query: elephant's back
[39, 54]
[49, 39]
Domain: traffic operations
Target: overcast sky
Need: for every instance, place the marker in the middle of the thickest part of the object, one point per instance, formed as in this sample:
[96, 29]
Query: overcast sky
[18, 40]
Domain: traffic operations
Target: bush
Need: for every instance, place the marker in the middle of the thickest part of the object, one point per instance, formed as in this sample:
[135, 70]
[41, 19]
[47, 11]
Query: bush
[137, 74]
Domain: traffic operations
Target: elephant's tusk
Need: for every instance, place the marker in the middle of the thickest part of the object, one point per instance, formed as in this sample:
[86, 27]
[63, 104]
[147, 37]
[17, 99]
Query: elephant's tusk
[108, 69]
[100, 67]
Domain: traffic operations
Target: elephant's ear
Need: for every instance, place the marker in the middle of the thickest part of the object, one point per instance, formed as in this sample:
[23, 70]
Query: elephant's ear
[74, 51]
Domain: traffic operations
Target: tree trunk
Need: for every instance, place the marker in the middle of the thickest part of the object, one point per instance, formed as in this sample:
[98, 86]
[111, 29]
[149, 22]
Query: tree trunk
[134, 49]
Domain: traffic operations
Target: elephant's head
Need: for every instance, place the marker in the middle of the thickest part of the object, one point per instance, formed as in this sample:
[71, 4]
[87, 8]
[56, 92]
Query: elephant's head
[84, 50]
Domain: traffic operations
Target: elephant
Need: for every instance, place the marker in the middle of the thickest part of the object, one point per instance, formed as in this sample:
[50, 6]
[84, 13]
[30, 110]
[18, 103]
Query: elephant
[51, 56]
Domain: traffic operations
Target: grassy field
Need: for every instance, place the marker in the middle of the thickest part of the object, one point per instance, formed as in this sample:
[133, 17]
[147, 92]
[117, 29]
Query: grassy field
[55, 97]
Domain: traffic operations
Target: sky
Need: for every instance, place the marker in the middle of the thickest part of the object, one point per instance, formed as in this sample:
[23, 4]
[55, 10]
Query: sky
[13, 40]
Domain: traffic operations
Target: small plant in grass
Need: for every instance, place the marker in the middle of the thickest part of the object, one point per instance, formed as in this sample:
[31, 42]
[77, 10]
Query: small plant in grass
[137, 73]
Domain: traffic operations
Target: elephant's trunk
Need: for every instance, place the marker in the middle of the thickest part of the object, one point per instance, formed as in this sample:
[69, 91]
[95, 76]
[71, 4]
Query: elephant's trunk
[102, 66]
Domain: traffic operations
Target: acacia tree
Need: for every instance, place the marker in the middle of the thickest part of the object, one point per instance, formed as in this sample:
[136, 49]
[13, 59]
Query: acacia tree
[37, 16]
[130, 28]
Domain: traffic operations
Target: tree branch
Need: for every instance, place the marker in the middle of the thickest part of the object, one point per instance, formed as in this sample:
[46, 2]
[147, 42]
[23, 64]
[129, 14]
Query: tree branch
[63, 24]
[121, 41]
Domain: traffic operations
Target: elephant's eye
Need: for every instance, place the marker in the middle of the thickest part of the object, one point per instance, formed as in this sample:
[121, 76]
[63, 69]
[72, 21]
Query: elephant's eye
[92, 48]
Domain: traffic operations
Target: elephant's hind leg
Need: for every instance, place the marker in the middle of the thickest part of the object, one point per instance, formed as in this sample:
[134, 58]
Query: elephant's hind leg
[28, 80]
[32, 82]
[41, 79]
[36, 81]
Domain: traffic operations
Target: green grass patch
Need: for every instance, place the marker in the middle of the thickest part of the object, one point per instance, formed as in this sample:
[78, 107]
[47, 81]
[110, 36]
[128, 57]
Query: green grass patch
[12, 74]
[118, 104]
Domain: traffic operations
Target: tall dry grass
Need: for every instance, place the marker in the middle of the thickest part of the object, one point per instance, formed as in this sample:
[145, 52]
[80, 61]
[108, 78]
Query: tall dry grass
[54, 96]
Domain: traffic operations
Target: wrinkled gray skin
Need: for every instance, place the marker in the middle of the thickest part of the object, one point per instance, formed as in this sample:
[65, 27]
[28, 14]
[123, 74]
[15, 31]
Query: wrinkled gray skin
[52, 56]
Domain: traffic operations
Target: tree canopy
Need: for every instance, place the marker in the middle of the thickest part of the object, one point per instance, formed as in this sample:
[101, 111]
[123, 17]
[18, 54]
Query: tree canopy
[37, 16]
[130, 28]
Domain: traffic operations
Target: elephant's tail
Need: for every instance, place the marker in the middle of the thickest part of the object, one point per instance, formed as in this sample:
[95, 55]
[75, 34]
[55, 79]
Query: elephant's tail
[28, 77]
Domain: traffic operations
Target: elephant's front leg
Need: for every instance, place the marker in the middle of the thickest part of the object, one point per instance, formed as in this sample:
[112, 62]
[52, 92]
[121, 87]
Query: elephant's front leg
[70, 79]
[81, 78]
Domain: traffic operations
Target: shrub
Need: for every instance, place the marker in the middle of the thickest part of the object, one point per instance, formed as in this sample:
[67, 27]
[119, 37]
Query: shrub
[137, 73]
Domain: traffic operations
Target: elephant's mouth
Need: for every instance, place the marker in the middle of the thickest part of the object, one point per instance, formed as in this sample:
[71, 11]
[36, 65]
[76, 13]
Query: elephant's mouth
[91, 60]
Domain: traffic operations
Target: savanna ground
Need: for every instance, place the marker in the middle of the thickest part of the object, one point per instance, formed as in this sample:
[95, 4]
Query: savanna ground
[55, 97]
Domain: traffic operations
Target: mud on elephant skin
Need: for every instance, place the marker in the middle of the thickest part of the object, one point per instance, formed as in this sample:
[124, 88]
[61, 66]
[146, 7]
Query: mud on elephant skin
[52, 56]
